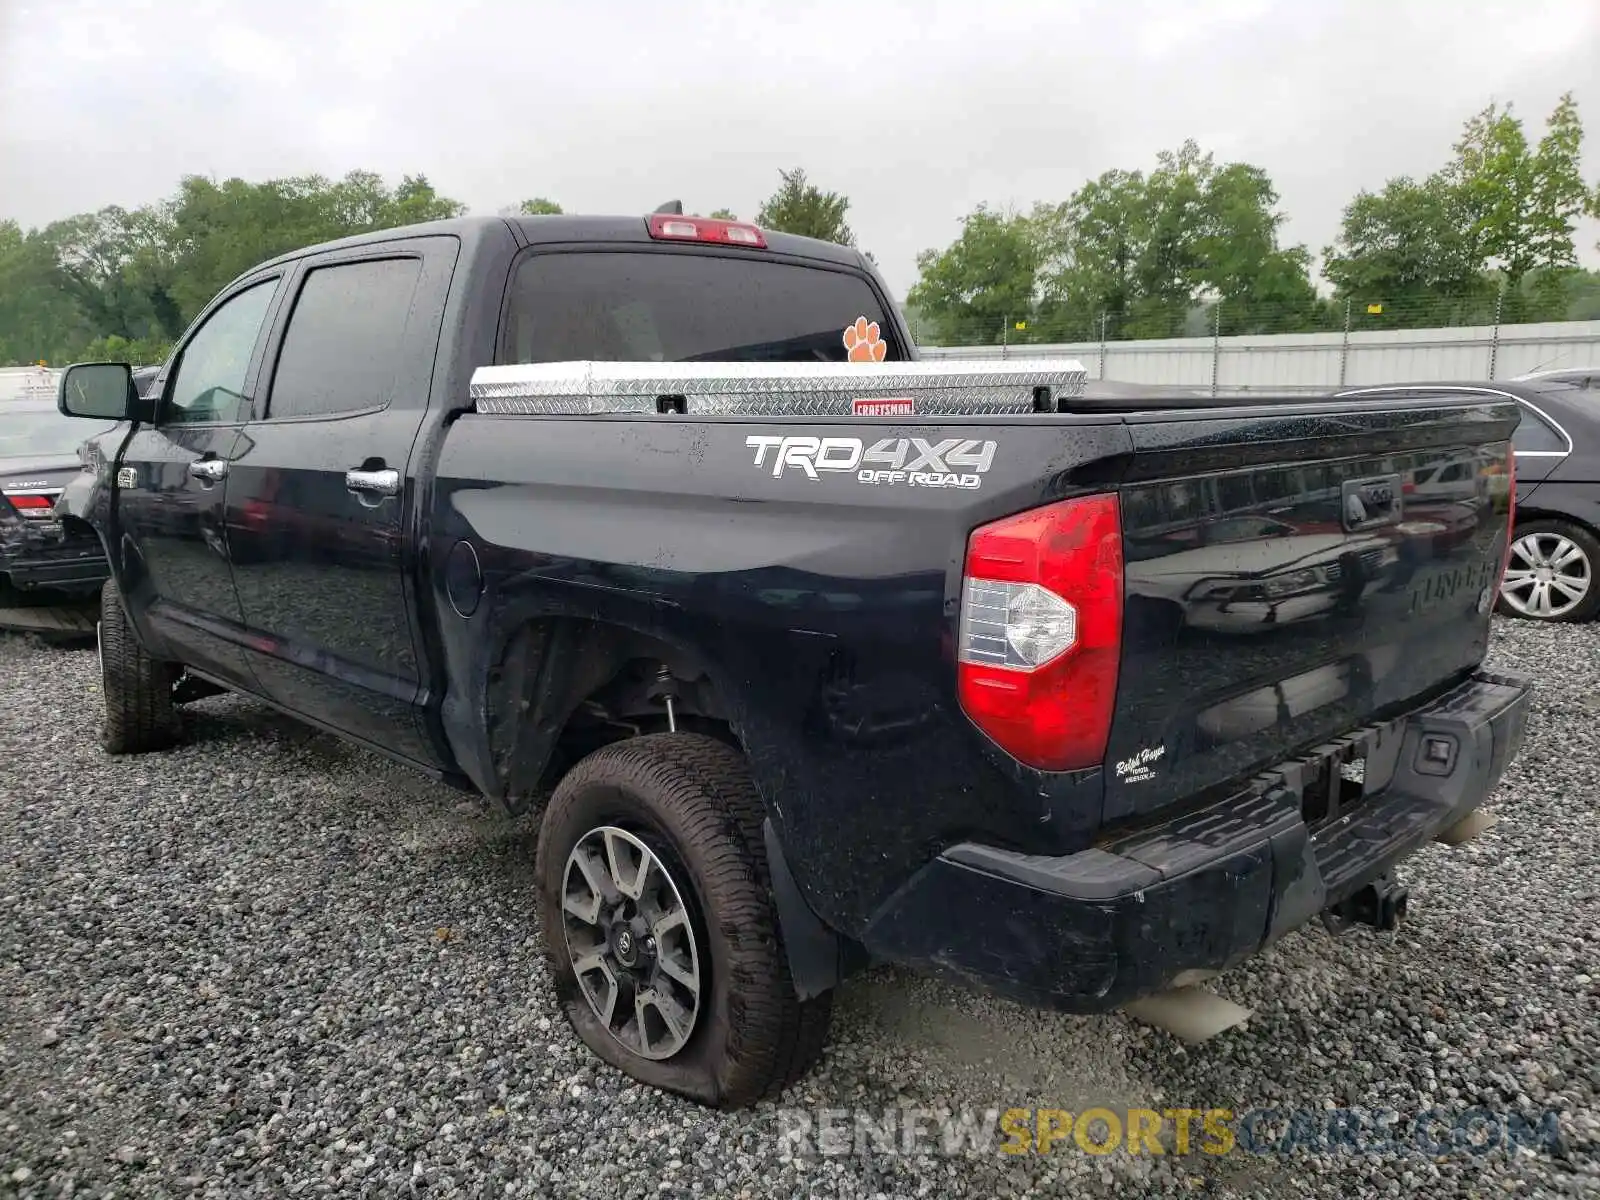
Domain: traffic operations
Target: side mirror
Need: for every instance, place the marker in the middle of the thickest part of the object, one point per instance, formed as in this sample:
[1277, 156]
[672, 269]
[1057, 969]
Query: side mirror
[103, 391]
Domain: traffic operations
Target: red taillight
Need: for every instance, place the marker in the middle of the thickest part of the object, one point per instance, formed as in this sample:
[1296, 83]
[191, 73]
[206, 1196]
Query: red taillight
[32, 505]
[705, 229]
[1041, 631]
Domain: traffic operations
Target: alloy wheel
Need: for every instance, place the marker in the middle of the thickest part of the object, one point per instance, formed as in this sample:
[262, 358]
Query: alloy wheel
[631, 942]
[1549, 575]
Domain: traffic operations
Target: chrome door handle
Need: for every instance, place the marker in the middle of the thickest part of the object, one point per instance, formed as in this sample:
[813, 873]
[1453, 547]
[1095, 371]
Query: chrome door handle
[212, 470]
[383, 483]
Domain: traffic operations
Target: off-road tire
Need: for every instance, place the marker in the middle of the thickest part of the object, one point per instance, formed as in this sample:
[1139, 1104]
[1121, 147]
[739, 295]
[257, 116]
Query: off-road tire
[138, 689]
[691, 799]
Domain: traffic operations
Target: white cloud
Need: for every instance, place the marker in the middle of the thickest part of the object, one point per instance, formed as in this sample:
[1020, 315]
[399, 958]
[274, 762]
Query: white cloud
[916, 111]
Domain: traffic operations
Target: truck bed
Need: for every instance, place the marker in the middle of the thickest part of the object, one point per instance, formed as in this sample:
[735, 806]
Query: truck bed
[791, 544]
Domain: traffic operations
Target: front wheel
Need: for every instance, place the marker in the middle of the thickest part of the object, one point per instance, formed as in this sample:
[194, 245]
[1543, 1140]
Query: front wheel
[1551, 573]
[659, 923]
[138, 689]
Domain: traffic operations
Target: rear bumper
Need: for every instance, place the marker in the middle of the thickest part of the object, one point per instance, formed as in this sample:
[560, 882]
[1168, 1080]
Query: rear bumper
[76, 566]
[1093, 930]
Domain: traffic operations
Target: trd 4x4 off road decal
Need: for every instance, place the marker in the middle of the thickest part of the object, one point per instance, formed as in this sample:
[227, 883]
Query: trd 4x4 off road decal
[911, 462]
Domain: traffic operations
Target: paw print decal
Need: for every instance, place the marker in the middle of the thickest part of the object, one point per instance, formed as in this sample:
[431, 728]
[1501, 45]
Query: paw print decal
[862, 343]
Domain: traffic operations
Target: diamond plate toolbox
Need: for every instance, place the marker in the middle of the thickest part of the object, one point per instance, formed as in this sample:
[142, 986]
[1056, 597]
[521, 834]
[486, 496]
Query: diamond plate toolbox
[765, 389]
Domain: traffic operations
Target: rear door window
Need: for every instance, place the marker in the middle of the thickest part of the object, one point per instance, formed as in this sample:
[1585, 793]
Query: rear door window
[1535, 436]
[618, 306]
[341, 351]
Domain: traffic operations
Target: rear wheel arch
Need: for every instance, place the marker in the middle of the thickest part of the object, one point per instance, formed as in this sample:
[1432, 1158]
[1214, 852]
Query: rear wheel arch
[1527, 514]
[558, 687]
[560, 665]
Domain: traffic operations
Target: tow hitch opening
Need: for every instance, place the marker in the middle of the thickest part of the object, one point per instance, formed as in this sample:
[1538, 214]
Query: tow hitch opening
[1381, 905]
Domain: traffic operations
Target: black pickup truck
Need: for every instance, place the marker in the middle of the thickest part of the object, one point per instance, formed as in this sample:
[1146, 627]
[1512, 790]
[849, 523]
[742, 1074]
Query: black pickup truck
[810, 654]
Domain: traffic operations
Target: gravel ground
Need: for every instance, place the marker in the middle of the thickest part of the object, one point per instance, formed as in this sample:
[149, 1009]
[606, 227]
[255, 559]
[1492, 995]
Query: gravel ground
[268, 964]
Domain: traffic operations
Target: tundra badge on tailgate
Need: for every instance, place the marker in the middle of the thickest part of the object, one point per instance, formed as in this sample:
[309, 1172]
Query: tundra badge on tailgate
[914, 462]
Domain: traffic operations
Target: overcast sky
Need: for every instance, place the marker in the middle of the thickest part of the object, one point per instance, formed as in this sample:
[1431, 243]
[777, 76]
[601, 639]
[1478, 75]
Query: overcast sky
[916, 110]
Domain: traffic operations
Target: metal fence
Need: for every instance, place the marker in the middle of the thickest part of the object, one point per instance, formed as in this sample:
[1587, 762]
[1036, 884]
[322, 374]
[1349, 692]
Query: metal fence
[1320, 361]
[1566, 296]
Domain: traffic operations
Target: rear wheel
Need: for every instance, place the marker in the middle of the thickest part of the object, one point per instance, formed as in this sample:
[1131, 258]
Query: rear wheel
[660, 927]
[138, 689]
[1551, 573]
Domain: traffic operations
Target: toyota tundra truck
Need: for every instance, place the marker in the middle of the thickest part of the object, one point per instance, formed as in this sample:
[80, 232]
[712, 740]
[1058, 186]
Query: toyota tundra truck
[806, 654]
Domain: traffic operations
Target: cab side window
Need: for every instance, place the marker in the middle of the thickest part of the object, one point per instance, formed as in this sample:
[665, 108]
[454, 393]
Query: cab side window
[342, 351]
[1535, 435]
[208, 381]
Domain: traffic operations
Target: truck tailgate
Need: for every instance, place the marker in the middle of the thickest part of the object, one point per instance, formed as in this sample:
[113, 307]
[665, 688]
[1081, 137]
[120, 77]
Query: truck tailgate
[1288, 578]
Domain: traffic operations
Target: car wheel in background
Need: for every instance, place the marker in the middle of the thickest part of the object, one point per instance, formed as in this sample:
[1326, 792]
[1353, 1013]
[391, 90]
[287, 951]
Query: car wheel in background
[1551, 573]
[659, 924]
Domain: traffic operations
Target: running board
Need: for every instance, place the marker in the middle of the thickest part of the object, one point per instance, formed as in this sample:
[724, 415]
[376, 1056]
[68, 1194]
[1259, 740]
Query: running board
[1191, 1014]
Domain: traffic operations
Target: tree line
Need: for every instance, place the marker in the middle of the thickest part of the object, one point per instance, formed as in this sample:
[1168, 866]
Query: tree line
[123, 284]
[1190, 246]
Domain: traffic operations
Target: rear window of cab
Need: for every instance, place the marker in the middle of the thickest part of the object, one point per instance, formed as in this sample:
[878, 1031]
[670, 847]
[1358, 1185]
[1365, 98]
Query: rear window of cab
[620, 306]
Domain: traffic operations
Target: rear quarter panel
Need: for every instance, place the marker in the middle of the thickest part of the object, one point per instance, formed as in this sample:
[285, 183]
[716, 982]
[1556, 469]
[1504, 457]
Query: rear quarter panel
[1561, 499]
[824, 609]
